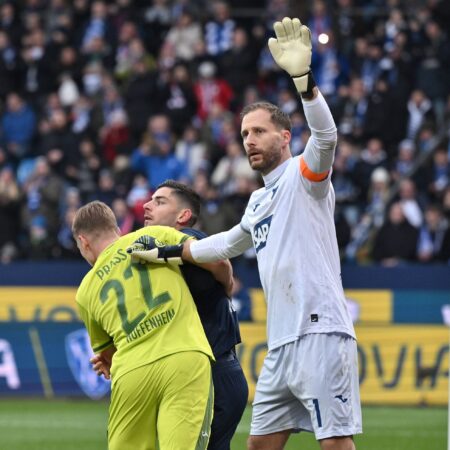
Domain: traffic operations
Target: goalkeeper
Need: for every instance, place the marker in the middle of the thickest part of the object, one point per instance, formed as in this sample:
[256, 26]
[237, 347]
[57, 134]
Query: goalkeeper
[309, 379]
[162, 392]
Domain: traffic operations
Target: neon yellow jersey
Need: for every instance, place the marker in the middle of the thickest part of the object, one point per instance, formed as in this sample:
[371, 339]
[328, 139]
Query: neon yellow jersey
[145, 310]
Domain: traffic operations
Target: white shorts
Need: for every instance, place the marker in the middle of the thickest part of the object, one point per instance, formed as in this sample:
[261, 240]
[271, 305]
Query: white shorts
[310, 384]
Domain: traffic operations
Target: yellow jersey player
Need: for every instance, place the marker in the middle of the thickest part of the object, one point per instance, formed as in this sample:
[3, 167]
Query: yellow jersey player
[161, 369]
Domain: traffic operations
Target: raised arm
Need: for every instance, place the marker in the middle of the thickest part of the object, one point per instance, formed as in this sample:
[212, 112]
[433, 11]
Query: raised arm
[317, 159]
[291, 50]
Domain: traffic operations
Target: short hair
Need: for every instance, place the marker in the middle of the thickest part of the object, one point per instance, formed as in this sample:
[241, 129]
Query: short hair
[277, 116]
[187, 196]
[94, 218]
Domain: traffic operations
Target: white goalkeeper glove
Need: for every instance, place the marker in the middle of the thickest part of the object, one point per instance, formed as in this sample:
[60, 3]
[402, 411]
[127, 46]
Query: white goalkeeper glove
[291, 50]
[149, 249]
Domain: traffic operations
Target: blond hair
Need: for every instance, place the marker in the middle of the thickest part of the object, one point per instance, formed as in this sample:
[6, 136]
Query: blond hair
[94, 218]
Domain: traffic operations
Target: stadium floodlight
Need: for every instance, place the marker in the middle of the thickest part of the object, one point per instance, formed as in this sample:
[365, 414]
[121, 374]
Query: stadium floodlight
[445, 310]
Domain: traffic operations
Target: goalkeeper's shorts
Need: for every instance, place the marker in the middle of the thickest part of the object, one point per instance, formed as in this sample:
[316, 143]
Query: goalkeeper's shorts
[169, 401]
[310, 384]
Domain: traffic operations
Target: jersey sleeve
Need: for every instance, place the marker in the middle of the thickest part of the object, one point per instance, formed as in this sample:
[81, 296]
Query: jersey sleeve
[317, 185]
[100, 340]
[227, 244]
[316, 161]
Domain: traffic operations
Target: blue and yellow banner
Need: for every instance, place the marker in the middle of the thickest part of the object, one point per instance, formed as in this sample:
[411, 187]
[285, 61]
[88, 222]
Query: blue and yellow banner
[398, 364]
[38, 304]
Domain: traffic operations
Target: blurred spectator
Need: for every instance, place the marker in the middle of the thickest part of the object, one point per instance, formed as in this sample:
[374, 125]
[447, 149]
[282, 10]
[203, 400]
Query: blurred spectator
[431, 236]
[17, 127]
[128, 55]
[115, 136]
[9, 215]
[38, 75]
[66, 245]
[141, 98]
[404, 164]
[98, 30]
[191, 151]
[219, 30]
[43, 192]
[378, 119]
[233, 165]
[59, 145]
[378, 195]
[350, 109]
[157, 21]
[319, 22]
[125, 218]
[10, 22]
[41, 241]
[299, 132]
[366, 62]
[105, 190]
[184, 36]
[396, 241]
[433, 69]
[209, 89]
[371, 157]
[139, 192]
[180, 103]
[212, 219]
[343, 231]
[345, 188]
[9, 66]
[238, 64]
[419, 111]
[330, 67]
[347, 24]
[439, 173]
[410, 202]
[155, 156]
[446, 204]
[287, 101]
[85, 172]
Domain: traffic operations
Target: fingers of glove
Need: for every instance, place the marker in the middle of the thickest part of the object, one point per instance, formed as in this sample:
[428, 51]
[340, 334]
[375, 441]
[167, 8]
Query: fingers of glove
[289, 28]
[135, 247]
[296, 25]
[280, 32]
[275, 48]
[146, 240]
[306, 35]
[148, 255]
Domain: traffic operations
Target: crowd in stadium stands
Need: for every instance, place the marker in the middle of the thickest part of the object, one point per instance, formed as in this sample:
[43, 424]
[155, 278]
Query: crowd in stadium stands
[107, 99]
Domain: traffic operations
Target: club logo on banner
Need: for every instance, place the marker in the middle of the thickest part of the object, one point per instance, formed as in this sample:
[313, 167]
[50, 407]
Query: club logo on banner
[78, 352]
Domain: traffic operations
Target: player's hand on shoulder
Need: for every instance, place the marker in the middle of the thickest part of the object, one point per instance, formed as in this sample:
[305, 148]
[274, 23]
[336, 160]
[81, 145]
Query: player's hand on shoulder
[149, 249]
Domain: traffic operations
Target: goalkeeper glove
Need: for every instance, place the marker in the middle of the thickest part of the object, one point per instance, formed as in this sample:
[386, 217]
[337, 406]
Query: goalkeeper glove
[291, 50]
[149, 249]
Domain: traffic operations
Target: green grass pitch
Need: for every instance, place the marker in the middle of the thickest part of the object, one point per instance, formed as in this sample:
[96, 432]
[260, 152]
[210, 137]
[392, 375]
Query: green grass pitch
[81, 424]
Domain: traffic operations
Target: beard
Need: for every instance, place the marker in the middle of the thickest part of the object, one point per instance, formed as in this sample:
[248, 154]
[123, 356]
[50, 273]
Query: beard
[266, 160]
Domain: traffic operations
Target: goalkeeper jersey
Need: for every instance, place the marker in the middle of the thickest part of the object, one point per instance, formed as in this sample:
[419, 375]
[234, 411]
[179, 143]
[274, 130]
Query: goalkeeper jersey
[292, 227]
[145, 310]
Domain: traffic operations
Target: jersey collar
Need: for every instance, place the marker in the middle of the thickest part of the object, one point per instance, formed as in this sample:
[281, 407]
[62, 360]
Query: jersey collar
[272, 177]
